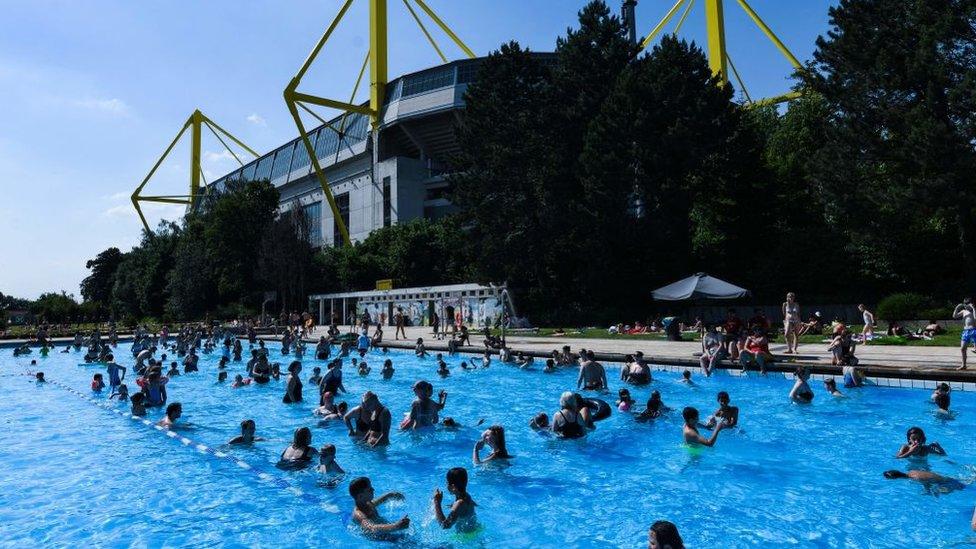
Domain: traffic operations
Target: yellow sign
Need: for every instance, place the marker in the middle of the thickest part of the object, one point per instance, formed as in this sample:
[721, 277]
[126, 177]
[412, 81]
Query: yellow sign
[386, 284]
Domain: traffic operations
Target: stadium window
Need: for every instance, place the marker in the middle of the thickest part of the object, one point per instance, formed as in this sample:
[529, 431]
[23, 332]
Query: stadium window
[342, 203]
[313, 214]
[387, 203]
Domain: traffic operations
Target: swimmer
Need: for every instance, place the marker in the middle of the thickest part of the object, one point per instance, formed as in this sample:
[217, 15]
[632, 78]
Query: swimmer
[173, 413]
[248, 427]
[316, 377]
[138, 408]
[122, 391]
[332, 415]
[540, 422]
[462, 511]
[327, 461]
[173, 370]
[592, 375]
[39, 377]
[299, 453]
[97, 384]
[853, 376]
[494, 438]
[624, 400]
[221, 377]
[293, 390]
[332, 381]
[550, 366]
[831, 386]
[655, 408]
[933, 482]
[450, 423]
[567, 422]
[729, 415]
[942, 401]
[917, 447]
[366, 515]
[239, 381]
[486, 359]
[690, 429]
[664, 535]
[424, 410]
[523, 361]
[387, 370]
[635, 371]
[939, 389]
[363, 368]
[420, 350]
[442, 369]
[372, 421]
[686, 378]
[801, 392]
[116, 373]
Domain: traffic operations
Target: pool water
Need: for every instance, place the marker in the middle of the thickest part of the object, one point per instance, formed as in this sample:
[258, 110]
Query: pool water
[805, 476]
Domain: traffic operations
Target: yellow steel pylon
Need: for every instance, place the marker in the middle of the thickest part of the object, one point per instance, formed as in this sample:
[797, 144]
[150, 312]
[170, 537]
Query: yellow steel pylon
[195, 124]
[377, 59]
[718, 57]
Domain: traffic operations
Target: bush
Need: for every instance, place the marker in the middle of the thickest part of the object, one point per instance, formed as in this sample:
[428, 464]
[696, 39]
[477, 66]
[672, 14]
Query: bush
[906, 306]
[935, 313]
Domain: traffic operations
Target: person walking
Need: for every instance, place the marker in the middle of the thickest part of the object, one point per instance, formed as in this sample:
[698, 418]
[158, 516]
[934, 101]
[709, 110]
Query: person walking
[791, 322]
[868, 331]
[967, 313]
[399, 321]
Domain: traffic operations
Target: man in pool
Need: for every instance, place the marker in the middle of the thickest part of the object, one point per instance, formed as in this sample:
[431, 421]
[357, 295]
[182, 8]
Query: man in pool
[462, 511]
[366, 515]
[690, 430]
[933, 482]
[173, 413]
[248, 427]
[592, 375]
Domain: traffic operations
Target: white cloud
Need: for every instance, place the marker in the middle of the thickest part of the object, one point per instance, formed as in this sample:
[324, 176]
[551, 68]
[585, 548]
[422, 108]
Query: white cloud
[257, 120]
[111, 106]
[211, 156]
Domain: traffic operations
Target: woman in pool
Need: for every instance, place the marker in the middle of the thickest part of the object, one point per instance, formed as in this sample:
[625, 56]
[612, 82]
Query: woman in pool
[372, 421]
[831, 386]
[801, 392]
[248, 428]
[494, 438]
[567, 422]
[387, 371]
[635, 372]
[293, 391]
[916, 447]
[299, 454]
[420, 350]
[262, 371]
[332, 381]
[424, 410]
[664, 535]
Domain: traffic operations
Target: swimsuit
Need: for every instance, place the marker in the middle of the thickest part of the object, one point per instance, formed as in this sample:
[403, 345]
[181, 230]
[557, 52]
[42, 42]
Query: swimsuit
[569, 429]
[298, 392]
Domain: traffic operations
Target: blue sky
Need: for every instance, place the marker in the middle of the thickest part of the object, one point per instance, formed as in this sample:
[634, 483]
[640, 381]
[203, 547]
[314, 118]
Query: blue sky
[92, 92]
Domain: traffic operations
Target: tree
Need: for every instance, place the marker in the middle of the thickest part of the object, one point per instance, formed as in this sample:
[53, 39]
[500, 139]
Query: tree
[97, 286]
[286, 257]
[141, 279]
[190, 283]
[898, 78]
[54, 307]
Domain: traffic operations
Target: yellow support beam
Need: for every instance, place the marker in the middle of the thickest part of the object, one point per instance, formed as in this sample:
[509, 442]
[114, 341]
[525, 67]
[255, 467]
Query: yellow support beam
[770, 34]
[424, 29]
[663, 23]
[715, 25]
[447, 30]
[378, 57]
[194, 123]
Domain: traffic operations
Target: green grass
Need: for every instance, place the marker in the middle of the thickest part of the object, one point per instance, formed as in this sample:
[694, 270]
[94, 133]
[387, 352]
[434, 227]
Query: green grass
[950, 339]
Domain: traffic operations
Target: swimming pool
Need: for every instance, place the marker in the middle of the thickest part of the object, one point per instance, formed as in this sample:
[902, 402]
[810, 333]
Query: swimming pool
[808, 476]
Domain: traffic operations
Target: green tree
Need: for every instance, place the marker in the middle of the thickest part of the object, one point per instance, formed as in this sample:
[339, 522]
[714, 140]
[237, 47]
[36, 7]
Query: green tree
[190, 283]
[55, 307]
[287, 259]
[898, 78]
[98, 285]
[141, 279]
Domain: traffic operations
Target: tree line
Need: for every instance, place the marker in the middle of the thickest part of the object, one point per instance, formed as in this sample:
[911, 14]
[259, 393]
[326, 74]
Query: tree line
[588, 178]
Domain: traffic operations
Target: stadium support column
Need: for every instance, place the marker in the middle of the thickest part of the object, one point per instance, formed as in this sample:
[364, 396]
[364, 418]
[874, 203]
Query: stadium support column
[630, 19]
[715, 23]
[377, 58]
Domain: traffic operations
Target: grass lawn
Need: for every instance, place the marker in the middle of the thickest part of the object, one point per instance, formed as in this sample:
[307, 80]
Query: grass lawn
[950, 339]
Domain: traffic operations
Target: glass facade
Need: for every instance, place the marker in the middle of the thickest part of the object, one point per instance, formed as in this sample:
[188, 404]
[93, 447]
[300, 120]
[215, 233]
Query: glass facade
[387, 203]
[327, 143]
[299, 160]
[433, 79]
[313, 213]
[467, 72]
[248, 173]
[263, 170]
[282, 161]
[342, 202]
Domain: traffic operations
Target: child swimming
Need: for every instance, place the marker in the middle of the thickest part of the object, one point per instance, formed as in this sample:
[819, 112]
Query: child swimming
[97, 384]
[624, 400]
[138, 406]
[366, 515]
[327, 461]
[916, 447]
[39, 377]
[248, 427]
[239, 381]
[461, 514]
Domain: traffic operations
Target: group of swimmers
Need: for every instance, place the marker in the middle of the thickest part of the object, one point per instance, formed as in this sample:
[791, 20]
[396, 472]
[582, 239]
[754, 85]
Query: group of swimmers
[370, 421]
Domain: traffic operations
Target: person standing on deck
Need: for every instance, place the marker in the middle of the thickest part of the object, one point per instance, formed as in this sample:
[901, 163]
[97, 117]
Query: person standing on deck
[791, 322]
[967, 313]
[868, 331]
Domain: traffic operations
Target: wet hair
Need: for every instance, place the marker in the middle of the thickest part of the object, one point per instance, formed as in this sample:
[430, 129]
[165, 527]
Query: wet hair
[942, 401]
[358, 486]
[722, 395]
[830, 382]
[654, 403]
[894, 474]
[295, 365]
[97, 376]
[917, 430]
[328, 448]
[342, 407]
[449, 422]
[590, 355]
[541, 420]
[316, 370]
[137, 398]
[943, 387]
[222, 376]
[666, 534]
[686, 374]
[247, 422]
[109, 357]
[302, 438]
[499, 433]
[39, 376]
[173, 408]
[458, 476]
[689, 413]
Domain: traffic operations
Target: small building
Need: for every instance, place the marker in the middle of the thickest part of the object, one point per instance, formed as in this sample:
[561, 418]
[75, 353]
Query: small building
[473, 305]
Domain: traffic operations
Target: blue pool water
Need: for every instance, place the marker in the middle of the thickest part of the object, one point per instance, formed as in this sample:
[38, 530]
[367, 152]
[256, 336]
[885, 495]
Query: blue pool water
[72, 471]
